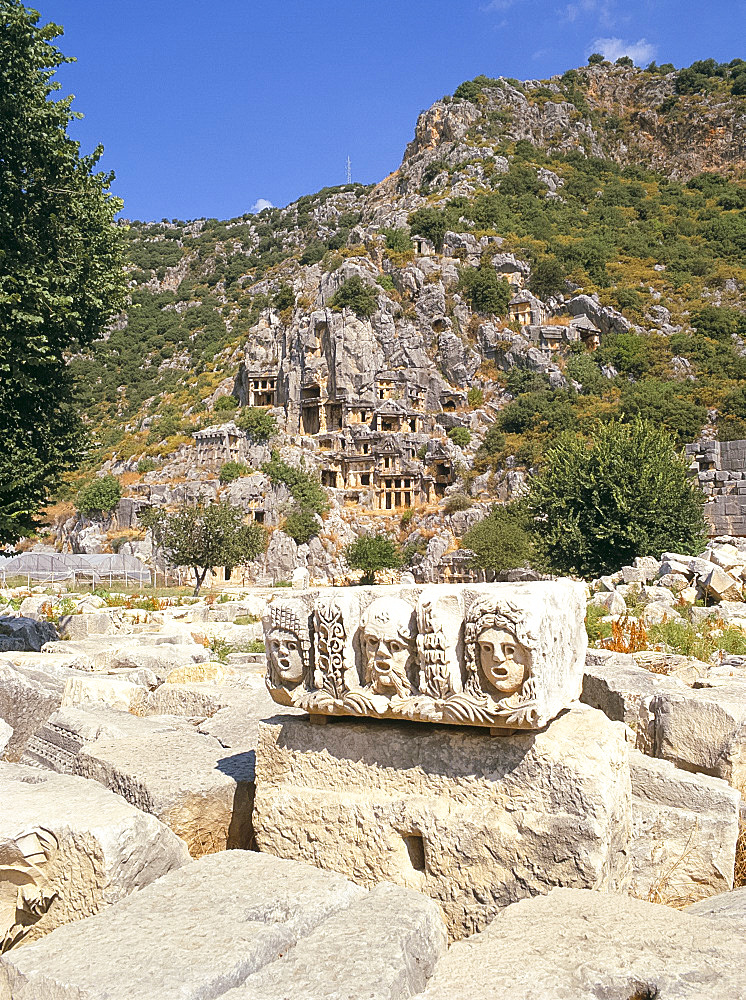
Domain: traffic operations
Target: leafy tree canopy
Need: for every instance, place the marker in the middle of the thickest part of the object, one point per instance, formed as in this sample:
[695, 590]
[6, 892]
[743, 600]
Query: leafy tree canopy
[372, 552]
[503, 539]
[61, 274]
[205, 535]
[626, 493]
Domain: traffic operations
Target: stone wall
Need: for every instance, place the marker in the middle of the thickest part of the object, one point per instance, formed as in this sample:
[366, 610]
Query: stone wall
[720, 469]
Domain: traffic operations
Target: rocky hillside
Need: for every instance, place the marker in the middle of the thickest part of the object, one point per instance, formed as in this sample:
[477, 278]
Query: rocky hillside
[549, 253]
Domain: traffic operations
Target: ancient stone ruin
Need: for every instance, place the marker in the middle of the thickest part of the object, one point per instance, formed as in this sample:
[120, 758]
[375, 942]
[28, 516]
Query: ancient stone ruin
[507, 656]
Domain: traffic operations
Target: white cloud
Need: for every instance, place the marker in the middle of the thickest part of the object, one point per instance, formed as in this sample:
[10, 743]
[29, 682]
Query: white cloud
[640, 52]
[260, 204]
[602, 10]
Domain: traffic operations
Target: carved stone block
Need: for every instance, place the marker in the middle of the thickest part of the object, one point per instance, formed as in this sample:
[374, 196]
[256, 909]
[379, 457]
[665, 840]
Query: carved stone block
[503, 655]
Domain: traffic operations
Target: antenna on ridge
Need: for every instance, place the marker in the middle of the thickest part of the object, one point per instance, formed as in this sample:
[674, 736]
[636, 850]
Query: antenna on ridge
[349, 171]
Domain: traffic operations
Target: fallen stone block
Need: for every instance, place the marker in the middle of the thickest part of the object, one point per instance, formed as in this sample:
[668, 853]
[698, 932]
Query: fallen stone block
[28, 696]
[80, 626]
[6, 732]
[684, 833]
[722, 585]
[728, 908]
[69, 847]
[25, 634]
[703, 730]
[472, 821]
[391, 939]
[610, 601]
[624, 692]
[199, 932]
[579, 945]
[133, 652]
[162, 766]
[118, 693]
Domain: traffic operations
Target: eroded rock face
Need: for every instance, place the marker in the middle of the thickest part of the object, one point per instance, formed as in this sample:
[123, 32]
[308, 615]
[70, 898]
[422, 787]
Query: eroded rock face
[473, 821]
[499, 655]
[69, 847]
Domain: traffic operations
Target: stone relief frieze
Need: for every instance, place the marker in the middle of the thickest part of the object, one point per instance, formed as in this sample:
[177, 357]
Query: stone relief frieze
[506, 656]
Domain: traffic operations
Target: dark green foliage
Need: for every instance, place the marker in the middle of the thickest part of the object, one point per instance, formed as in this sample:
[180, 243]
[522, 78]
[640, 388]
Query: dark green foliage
[583, 369]
[230, 471]
[548, 278]
[470, 90]
[485, 290]
[372, 552]
[204, 535]
[431, 223]
[460, 436]
[258, 423]
[475, 397]
[301, 524]
[542, 412]
[598, 504]
[100, 496]
[502, 540]
[661, 404]
[145, 465]
[398, 240]
[355, 294]
[595, 58]
[223, 403]
[283, 297]
[624, 61]
[61, 274]
[490, 448]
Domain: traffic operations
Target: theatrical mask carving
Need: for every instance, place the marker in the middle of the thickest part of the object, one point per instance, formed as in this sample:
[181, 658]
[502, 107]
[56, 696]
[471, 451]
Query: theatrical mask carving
[388, 642]
[288, 645]
[512, 660]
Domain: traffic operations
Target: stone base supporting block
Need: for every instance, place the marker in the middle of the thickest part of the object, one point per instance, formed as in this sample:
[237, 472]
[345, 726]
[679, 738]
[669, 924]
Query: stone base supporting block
[502, 655]
[239, 925]
[473, 821]
[69, 847]
[580, 945]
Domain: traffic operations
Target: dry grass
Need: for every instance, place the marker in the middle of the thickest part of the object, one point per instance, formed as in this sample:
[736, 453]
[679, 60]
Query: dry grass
[674, 887]
[739, 871]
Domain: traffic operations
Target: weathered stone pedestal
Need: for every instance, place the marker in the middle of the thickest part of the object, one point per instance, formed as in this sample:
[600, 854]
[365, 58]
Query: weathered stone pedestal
[474, 821]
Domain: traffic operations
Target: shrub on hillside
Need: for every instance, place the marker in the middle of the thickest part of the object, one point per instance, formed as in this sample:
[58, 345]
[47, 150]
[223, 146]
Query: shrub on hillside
[502, 540]
[460, 436]
[259, 424]
[230, 471]
[355, 294]
[100, 496]
[223, 403]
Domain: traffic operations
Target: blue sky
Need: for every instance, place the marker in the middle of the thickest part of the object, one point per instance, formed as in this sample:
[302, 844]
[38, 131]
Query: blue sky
[207, 108]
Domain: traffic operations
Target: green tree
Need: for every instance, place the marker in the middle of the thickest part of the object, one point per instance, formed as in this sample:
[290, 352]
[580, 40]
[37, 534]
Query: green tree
[230, 471]
[486, 291]
[301, 524]
[596, 505]
[460, 436]
[430, 223]
[205, 535]
[595, 58]
[547, 278]
[100, 496]
[503, 539]
[372, 552]
[61, 275]
[355, 294]
[258, 423]
[659, 403]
